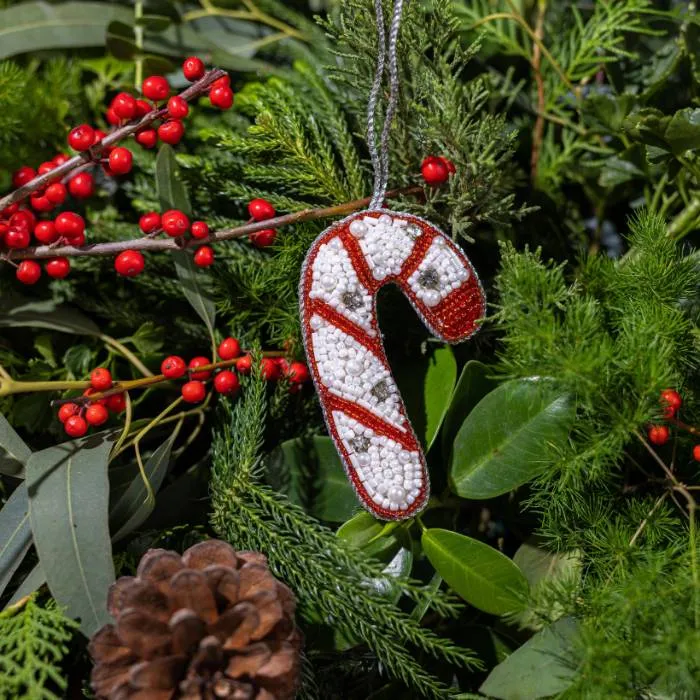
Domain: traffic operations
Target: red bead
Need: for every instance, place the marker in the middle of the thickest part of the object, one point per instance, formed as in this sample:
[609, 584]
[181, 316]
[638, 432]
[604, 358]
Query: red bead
[221, 97]
[75, 426]
[696, 453]
[434, 171]
[23, 175]
[171, 132]
[177, 107]
[56, 193]
[120, 161]
[149, 222]
[67, 410]
[142, 108]
[58, 268]
[129, 263]
[193, 68]
[298, 373]
[229, 349]
[41, 203]
[82, 185]
[17, 238]
[147, 138]
[244, 364]
[96, 414]
[199, 362]
[671, 401]
[193, 392]
[199, 229]
[116, 402]
[269, 368]
[204, 257]
[45, 232]
[261, 209]
[101, 379]
[124, 105]
[69, 224]
[81, 137]
[175, 223]
[155, 88]
[264, 238]
[28, 272]
[659, 434]
[173, 367]
[226, 382]
[112, 117]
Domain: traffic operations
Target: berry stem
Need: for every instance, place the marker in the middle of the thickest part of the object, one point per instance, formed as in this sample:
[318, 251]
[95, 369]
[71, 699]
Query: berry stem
[684, 426]
[151, 244]
[126, 353]
[195, 90]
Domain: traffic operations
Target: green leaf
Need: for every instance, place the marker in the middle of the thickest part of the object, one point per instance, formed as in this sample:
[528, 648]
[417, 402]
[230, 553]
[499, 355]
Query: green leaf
[14, 453]
[509, 437]
[16, 534]
[43, 344]
[473, 384]
[360, 529]
[172, 192]
[335, 499]
[68, 502]
[154, 23]
[36, 26]
[542, 667]
[439, 383]
[32, 581]
[47, 314]
[480, 574]
[121, 41]
[628, 165]
[683, 131]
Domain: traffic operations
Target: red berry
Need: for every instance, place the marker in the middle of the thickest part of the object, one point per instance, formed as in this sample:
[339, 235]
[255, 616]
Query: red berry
[56, 193]
[129, 263]
[46, 168]
[243, 364]
[23, 219]
[226, 382]
[658, 434]
[91, 392]
[67, 410]
[116, 402]
[60, 159]
[100, 379]
[175, 223]
[76, 241]
[142, 108]
[82, 185]
[17, 238]
[171, 132]
[204, 257]
[10, 210]
[124, 105]
[75, 426]
[45, 232]
[264, 238]
[173, 367]
[57, 268]
[41, 203]
[155, 88]
[147, 138]
[696, 453]
[193, 68]
[193, 392]
[69, 224]
[270, 369]
[298, 373]
[28, 272]
[81, 137]
[223, 81]
[120, 161]
[112, 117]
[177, 107]
[671, 401]
[96, 414]
[434, 171]
[199, 362]
[229, 349]
[448, 164]
[149, 222]
[22, 176]
[261, 209]
[199, 229]
[221, 97]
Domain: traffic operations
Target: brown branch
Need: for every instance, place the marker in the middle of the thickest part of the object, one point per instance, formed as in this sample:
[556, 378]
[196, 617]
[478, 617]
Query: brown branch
[160, 244]
[195, 90]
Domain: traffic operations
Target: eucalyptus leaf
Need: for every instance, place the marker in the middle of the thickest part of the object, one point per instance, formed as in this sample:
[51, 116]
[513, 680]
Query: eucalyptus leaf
[68, 502]
[480, 574]
[509, 437]
[154, 23]
[31, 582]
[14, 452]
[15, 534]
[47, 314]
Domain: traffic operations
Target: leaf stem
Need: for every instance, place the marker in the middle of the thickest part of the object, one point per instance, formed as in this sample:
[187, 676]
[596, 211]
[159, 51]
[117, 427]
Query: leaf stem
[123, 350]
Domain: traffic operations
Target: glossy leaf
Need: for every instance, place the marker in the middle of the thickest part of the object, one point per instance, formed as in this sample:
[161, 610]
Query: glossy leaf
[509, 437]
[542, 667]
[360, 529]
[480, 574]
[15, 534]
[68, 502]
[335, 500]
[48, 314]
[14, 453]
[439, 384]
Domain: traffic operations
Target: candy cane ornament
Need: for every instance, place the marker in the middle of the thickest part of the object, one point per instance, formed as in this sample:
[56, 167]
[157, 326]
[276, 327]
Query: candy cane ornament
[343, 271]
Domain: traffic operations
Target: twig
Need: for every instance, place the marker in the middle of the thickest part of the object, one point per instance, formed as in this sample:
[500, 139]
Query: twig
[151, 244]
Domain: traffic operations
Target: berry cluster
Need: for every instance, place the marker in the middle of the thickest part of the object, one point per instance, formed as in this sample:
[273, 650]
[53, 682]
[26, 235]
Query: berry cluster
[436, 170]
[261, 210]
[659, 434]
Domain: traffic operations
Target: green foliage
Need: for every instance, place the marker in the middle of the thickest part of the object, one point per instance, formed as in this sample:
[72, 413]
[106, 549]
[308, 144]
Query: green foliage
[33, 642]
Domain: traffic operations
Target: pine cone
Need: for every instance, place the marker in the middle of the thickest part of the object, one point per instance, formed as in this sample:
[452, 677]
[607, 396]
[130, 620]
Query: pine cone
[212, 624]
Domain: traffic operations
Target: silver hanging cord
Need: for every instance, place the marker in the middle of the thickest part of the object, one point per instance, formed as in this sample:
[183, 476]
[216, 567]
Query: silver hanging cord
[380, 153]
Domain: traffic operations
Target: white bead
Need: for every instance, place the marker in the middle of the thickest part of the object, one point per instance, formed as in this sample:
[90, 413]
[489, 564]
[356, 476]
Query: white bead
[358, 228]
[328, 281]
[396, 494]
[354, 367]
[385, 219]
[431, 298]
